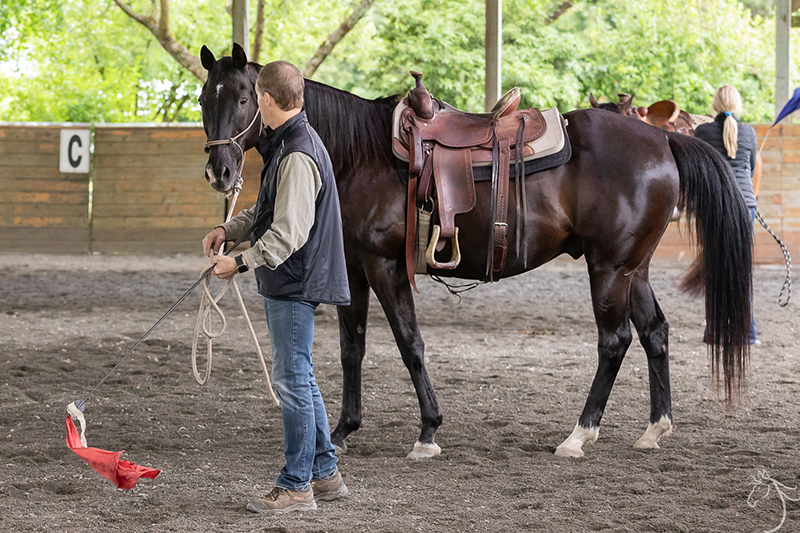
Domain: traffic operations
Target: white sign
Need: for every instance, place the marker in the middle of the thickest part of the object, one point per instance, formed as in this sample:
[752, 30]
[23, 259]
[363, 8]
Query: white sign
[74, 155]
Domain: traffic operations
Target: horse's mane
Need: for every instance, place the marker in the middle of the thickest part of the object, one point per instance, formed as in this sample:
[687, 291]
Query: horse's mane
[355, 131]
[610, 106]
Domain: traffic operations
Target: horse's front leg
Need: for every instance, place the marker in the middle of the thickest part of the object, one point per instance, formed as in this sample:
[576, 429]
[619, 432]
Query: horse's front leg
[352, 339]
[390, 283]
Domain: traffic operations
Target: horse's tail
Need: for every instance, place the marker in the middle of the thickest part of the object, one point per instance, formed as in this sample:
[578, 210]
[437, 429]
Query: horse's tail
[710, 197]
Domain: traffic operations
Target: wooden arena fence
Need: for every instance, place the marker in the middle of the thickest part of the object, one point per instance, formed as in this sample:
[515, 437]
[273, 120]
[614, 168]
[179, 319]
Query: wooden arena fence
[145, 192]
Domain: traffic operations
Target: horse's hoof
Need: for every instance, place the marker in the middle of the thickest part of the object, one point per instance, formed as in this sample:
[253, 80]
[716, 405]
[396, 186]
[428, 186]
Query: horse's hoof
[424, 451]
[564, 451]
[654, 432]
[573, 446]
[340, 450]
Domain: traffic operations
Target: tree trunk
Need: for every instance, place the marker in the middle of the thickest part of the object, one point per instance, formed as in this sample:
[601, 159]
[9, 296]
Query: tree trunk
[259, 34]
[159, 27]
[333, 39]
[563, 8]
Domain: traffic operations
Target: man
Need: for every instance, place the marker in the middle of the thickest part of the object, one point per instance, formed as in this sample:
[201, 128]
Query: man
[298, 257]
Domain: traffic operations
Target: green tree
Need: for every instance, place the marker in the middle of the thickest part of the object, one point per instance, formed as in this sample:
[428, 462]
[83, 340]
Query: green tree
[81, 60]
[680, 50]
[559, 51]
[444, 39]
[90, 61]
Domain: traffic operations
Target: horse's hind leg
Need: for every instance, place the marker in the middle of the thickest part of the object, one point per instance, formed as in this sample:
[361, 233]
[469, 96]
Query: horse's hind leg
[388, 279]
[653, 329]
[610, 294]
[352, 339]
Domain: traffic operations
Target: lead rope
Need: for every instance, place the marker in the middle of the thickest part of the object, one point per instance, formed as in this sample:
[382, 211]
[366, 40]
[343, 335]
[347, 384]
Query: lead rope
[787, 283]
[209, 303]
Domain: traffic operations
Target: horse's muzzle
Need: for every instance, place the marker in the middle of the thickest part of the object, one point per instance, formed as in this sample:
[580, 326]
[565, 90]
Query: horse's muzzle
[221, 182]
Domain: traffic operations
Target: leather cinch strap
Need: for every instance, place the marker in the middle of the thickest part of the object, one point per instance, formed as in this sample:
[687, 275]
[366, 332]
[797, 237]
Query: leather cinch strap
[498, 244]
[522, 201]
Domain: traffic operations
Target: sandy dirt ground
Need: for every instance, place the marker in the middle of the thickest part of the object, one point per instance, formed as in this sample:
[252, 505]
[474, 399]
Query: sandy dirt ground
[511, 363]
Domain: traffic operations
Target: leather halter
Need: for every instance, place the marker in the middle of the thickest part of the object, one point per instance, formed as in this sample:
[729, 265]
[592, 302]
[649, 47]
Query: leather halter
[206, 148]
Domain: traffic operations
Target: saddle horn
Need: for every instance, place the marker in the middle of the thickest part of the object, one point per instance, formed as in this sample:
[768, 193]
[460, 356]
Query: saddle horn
[420, 99]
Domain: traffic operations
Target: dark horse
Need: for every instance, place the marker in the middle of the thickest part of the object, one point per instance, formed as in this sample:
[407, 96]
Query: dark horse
[610, 203]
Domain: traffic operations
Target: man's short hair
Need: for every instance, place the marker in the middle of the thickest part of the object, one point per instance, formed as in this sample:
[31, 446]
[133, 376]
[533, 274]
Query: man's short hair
[284, 83]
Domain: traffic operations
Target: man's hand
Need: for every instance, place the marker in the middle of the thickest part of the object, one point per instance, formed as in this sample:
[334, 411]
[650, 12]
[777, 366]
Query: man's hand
[213, 241]
[224, 267]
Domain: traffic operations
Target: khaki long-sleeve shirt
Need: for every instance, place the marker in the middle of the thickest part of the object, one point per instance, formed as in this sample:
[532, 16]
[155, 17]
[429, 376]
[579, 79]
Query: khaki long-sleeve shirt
[298, 184]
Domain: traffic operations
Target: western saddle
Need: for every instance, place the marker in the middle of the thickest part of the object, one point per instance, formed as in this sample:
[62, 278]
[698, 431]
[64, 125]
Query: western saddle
[442, 144]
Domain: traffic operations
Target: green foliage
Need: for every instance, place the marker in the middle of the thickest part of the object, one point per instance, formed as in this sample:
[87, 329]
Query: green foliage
[85, 60]
[444, 39]
[662, 49]
[680, 50]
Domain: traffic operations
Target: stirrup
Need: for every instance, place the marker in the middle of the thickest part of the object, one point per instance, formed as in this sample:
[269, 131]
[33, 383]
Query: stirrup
[456, 256]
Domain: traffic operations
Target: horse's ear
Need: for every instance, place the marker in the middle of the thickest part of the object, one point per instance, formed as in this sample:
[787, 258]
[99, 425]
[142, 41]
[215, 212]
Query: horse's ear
[207, 58]
[625, 103]
[593, 101]
[239, 56]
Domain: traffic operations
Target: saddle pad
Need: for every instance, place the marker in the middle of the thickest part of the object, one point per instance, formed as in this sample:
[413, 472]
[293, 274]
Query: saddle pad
[544, 158]
[551, 142]
[557, 155]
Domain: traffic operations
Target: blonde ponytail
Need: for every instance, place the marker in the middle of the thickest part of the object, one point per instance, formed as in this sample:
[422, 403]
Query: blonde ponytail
[728, 100]
[730, 134]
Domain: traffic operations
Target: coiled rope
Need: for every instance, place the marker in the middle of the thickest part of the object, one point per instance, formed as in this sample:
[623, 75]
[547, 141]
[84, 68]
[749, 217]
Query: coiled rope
[209, 304]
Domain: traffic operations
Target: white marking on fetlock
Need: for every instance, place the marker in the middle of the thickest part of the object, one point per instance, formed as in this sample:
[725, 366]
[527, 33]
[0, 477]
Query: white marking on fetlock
[573, 446]
[424, 451]
[654, 432]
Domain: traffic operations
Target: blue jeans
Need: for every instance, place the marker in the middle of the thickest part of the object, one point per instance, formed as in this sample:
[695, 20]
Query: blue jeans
[306, 434]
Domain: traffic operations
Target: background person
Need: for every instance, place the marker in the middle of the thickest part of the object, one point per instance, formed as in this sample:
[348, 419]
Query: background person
[739, 144]
[298, 257]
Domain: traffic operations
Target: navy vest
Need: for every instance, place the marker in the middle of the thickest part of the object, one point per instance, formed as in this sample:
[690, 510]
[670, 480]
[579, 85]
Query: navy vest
[316, 272]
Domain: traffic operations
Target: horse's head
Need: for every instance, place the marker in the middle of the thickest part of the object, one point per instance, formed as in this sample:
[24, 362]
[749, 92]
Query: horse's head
[229, 104]
[623, 107]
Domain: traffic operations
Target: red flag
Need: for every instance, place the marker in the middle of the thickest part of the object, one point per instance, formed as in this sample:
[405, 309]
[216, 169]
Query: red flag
[123, 474]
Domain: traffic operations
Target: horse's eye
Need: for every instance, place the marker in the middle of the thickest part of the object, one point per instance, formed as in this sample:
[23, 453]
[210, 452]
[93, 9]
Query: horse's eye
[243, 101]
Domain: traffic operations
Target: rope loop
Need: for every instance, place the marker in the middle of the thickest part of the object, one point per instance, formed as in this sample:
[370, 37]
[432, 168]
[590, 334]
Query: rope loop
[209, 303]
[787, 283]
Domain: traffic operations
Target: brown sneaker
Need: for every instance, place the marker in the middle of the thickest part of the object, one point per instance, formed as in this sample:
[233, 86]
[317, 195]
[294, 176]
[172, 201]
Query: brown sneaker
[329, 488]
[281, 501]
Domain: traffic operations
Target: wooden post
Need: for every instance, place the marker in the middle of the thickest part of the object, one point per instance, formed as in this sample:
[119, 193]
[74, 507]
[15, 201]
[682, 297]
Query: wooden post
[493, 51]
[241, 25]
[783, 59]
